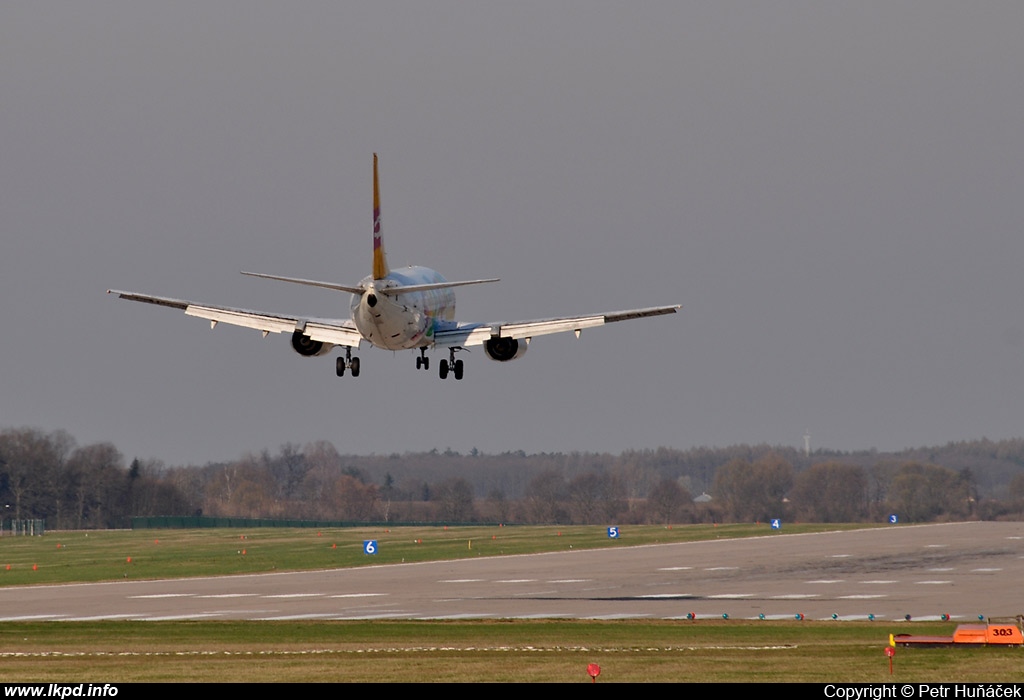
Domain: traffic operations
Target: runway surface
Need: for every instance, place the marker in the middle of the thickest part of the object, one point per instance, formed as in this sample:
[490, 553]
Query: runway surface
[960, 569]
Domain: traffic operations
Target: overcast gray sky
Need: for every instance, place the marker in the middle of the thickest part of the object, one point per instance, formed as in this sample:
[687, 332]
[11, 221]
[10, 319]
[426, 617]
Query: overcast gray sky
[834, 192]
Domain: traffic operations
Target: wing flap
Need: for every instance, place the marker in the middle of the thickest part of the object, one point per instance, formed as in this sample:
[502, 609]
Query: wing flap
[529, 329]
[246, 319]
[468, 334]
[338, 332]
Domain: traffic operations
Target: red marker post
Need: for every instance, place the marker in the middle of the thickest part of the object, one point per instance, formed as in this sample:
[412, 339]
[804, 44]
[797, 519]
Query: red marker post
[890, 652]
[593, 670]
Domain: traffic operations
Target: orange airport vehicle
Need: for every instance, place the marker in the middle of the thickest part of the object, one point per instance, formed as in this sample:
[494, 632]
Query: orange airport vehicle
[991, 634]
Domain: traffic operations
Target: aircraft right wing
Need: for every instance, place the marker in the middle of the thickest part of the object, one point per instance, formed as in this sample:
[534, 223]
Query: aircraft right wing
[334, 331]
[468, 334]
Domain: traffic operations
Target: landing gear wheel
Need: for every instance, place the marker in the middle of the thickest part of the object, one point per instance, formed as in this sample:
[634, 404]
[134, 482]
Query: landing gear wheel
[458, 370]
[423, 362]
[444, 369]
[354, 365]
[339, 366]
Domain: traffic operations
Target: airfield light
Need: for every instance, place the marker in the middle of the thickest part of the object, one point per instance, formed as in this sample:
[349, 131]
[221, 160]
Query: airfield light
[593, 670]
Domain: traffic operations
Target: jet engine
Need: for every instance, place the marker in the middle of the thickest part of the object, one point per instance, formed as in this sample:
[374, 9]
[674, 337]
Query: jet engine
[504, 349]
[307, 347]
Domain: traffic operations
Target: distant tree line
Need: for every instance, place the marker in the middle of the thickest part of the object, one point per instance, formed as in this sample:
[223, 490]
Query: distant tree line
[48, 476]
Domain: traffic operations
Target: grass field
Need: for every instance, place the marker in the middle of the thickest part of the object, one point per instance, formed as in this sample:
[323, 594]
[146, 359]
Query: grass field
[467, 651]
[68, 557]
[485, 651]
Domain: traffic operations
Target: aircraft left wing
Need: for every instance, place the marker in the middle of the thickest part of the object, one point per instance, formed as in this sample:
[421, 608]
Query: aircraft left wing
[468, 334]
[335, 331]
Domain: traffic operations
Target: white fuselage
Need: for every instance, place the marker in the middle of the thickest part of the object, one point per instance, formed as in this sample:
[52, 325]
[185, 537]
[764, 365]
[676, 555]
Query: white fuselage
[406, 320]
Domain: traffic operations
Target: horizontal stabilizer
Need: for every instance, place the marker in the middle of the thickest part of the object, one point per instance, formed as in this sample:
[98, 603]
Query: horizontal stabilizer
[402, 289]
[309, 283]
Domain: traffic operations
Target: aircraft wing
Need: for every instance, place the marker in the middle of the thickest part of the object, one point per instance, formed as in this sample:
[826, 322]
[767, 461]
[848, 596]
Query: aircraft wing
[468, 334]
[335, 331]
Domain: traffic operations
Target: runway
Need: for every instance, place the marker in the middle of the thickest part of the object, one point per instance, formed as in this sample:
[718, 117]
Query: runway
[961, 569]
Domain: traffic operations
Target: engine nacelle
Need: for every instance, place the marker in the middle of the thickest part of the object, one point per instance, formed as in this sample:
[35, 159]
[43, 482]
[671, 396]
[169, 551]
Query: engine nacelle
[505, 349]
[307, 347]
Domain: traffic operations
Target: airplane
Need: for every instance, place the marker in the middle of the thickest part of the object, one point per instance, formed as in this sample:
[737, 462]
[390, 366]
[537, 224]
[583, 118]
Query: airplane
[412, 308]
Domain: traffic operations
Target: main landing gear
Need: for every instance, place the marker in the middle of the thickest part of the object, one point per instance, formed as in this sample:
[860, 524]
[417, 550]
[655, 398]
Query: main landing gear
[454, 365]
[423, 362]
[348, 361]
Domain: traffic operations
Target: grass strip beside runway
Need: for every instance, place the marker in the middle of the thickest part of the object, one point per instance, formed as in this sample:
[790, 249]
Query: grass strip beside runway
[487, 651]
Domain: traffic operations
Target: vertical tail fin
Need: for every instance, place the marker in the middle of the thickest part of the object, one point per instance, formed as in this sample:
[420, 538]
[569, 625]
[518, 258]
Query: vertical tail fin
[380, 261]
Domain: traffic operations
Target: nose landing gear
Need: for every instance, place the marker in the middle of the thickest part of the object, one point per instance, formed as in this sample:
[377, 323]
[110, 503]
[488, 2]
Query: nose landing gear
[423, 362]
